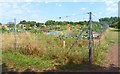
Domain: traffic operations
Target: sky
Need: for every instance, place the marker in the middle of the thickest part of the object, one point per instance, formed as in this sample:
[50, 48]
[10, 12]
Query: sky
[41, 11]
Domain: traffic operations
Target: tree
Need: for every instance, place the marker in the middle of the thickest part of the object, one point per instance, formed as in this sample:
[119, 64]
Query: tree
[118, 22]
[39, 24]
[32, 23]
[50, 22]
[111, 21]
[0, 24]
[60, 23]
[23, 22]
[27, 25]
[65, 22]
[71, 23]
[81, 23]
[10, 24]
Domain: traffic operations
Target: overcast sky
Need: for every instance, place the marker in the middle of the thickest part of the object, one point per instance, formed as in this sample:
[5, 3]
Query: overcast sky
[42, 10]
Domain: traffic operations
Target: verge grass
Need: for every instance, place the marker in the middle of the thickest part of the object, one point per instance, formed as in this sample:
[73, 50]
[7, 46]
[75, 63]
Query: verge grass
[19, 61]
[41, 51]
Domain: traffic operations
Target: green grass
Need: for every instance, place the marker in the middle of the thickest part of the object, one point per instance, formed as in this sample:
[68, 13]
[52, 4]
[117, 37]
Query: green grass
[113, 36]
[21, 61]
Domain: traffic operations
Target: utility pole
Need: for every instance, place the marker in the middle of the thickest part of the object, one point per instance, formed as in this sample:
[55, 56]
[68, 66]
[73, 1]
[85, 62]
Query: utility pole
[15, 33]
[90, 38]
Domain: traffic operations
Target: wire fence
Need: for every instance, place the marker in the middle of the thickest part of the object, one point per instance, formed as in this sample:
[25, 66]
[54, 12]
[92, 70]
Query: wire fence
[25, 41]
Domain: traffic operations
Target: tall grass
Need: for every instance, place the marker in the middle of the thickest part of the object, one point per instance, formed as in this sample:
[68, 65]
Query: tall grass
[51, 47]
[99, 52]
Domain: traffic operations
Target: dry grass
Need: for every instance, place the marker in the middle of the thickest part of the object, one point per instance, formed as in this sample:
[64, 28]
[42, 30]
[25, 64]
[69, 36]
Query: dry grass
[7, 41]
[52, 47]
[25, 42]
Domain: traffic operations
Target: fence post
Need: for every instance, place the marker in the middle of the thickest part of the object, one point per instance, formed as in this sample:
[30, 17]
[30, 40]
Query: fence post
[90, 39]
[15, 33]
[63, 44]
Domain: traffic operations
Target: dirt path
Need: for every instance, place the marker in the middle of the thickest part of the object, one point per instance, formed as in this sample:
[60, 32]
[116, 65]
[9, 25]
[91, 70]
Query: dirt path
[112, 63]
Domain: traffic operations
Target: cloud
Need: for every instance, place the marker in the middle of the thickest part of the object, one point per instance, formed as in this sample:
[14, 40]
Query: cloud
[92, 3]
[46, 2]
[11, 10]
[75, 1]
[59, 5]
[17, 1]
[83, 9]
[73, 14]
[15, 8]
[99, 13]
[53, 0]
[112, 6]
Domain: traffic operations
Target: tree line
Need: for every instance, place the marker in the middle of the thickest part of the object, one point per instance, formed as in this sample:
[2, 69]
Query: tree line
[51, 22]
[111, 21]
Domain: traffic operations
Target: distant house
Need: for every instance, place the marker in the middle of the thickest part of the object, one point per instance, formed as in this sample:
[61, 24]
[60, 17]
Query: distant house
[6, 27]
[95, 35]
[22, 26]
[68, 26]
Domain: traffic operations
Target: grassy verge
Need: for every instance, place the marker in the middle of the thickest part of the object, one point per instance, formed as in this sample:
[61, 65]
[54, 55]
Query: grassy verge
[22, 62]
[113, 36]
[42, 52]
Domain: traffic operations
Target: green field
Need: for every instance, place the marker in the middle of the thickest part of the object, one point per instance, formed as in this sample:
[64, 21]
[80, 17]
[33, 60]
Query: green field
[113, 36]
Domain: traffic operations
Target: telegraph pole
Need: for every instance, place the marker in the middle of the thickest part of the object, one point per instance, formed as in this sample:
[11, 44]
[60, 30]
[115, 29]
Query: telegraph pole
[15, 33]
[90, 38]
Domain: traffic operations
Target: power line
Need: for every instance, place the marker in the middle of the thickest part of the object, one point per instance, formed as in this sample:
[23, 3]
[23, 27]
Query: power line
[66, 16]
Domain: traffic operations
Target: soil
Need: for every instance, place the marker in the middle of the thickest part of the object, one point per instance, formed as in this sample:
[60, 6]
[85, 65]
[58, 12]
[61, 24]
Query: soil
[113, 61]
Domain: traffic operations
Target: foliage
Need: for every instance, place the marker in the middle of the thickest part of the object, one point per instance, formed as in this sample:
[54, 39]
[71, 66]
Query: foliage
[31, 23]
[10, 24]
[35, 43]
[47, 48]
[0, 24]
[112, 21]
[50, 22]
[20, 61]
[23, 22]
[39, 24]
